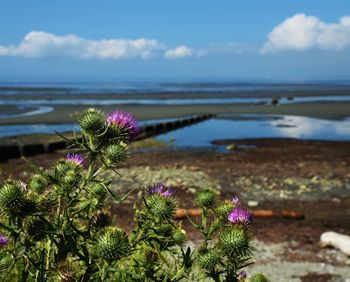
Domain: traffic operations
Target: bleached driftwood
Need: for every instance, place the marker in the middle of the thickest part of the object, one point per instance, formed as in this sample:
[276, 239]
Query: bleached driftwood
[336, 240]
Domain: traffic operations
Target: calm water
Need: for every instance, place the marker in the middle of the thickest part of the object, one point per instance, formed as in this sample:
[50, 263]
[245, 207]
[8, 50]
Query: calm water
[222, 127]
[36, 98]
[258, 126]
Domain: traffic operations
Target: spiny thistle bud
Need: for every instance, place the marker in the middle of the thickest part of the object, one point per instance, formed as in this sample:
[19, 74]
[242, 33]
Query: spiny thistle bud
[98, 191]
[3, 240]
[207, 198]
[71, 177]
[13, 199]
[208, 260]
[115, 153]
[92, 121]
[112, 244]
[223, 209]
[164, 230]
[259, 277]
[122, 125]
[179, 237]
[37, 228]
[63, 166]
[38, 183]
[234, 242]
[69, 271]
[101, 219]
[162, 207]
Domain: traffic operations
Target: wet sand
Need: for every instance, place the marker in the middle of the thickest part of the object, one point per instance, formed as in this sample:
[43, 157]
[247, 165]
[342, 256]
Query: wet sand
[68, 114]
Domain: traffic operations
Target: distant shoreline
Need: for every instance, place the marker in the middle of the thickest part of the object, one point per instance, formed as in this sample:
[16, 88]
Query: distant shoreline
[68, 114]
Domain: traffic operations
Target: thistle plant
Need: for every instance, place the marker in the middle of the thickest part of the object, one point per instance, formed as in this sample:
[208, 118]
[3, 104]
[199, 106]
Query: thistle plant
[58, 226]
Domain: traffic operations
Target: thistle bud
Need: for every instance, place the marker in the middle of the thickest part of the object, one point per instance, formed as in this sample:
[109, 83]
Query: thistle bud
[92, 121]
[63, 166]
[71, 177]
[208, 260]
[98, 191]
[112, 244]
[207, 198]
[224, 209]
[162, 207]
[13, 199]
[37, 228]
[38, 183]
[115, 153]
[234, 242]
[179, 237]
[259, 277]
[164, 230]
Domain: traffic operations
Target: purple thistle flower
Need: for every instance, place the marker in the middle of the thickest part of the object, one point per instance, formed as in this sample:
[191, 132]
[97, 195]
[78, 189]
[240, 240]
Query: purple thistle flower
[242, 275]
[161, 190]
[236, 201]
[240, 216]
[75, 158]
[124, 121]
[3, 240]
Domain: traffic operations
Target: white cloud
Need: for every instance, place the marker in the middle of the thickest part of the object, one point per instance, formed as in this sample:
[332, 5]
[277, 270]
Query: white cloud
[302, 32]
[43, 44]
[178, 52]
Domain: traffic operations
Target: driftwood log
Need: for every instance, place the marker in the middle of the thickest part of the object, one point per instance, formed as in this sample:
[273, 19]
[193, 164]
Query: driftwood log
[183, 213]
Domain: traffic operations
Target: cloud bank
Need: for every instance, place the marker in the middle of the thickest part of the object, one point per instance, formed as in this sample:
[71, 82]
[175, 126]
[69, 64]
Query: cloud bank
[42, 44]
[301, 32]
[179, 52]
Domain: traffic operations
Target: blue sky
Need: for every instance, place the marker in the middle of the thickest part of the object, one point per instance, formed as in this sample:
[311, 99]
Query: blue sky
[270, 39]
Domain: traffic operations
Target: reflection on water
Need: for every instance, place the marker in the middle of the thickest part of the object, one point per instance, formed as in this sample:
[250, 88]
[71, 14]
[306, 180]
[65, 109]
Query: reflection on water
[23, 111]
[222, 127]
[258, 126]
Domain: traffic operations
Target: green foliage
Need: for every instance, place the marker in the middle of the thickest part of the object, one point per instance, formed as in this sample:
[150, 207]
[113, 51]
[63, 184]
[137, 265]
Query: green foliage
[259, 278]
[59, 227]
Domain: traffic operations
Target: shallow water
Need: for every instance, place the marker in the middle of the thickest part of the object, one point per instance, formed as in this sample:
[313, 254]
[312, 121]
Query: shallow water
[177, 102]
[27, 129]
[258, 126]
[222, 127]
